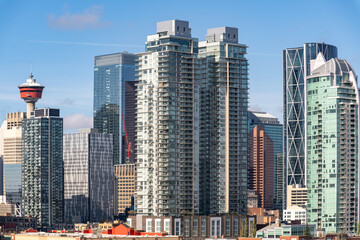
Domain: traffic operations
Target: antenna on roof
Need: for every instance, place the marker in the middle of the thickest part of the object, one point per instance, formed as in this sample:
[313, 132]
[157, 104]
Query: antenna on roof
[31, 75]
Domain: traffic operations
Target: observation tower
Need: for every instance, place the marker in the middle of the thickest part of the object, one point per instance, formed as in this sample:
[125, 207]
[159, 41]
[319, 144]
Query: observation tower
[30, 91]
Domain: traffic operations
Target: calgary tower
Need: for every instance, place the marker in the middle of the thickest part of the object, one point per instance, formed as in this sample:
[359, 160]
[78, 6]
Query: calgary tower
[30, 91]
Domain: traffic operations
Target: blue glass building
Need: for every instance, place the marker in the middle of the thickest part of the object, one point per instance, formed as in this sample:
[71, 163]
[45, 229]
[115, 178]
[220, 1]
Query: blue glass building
[110, 74]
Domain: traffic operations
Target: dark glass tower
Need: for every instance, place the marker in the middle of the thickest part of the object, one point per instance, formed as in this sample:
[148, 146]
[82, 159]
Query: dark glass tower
[296, 66]
[110, 74]
[42, 167]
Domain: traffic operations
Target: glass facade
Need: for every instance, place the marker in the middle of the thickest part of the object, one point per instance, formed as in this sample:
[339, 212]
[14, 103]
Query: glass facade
[88, 177]
[274, 130]
[42, 167]
[332, 146]
[296, 66]
[110, 74]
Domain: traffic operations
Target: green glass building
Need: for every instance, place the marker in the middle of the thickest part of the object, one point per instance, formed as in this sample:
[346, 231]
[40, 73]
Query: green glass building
[332, 104]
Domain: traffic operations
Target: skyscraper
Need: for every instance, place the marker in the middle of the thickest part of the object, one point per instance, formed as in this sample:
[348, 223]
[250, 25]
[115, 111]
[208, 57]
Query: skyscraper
[296, 66]
[261, 166]
[191, 123]
[88, 176]
[110, 74]
[129, 148]
[332, 133]
[166, 127]
[274, 130]
[223, 122]
[125, 175]
[11, 135]
[42, 167]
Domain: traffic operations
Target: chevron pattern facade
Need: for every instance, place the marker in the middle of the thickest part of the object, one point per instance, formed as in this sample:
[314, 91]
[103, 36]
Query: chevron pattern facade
[296, 66]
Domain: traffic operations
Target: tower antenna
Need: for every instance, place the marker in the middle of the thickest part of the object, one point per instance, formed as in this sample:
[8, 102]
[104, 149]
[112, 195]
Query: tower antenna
[31, 75]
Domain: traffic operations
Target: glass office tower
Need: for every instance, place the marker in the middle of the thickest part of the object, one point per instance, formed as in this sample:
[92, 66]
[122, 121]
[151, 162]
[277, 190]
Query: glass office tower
[42, 167]
[110, 74]
[332, 133]
[88, 176]
[296, 66]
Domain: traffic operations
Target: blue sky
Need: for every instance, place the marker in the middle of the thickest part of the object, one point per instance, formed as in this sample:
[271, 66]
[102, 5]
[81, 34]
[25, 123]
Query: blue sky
[61, 39]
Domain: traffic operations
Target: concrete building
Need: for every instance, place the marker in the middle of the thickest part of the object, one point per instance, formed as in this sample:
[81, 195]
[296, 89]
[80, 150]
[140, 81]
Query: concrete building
[191, 122]
[277, 230]
[223, 122]
[332, 123]
[295, 213]
[42, 167]
[252, 199]
[11, 145]
[111, 72]
[125, 187]
[296, 67]
[88, 176]
[261, 166]
[195, 227]
[296, 196]
[167, 128]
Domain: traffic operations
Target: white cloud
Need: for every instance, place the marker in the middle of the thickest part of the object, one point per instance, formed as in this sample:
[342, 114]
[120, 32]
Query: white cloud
[90, 18]
[77, 120]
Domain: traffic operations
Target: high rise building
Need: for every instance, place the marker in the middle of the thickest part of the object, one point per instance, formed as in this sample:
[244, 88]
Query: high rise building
[332, 133]
[110, 74]
[129, 148]
[261, 166]
[296, 66]
[42, 167]
[167, 133]
[11, 135]
[274, 130]
[125, 183]
[88, 176]
[191, 125]
[223, 122]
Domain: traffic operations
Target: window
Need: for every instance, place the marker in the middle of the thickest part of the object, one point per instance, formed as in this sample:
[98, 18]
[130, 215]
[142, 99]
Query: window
[215, 226]
[186, 227]
[148, 225]
[203, 227]
[195, 228]
[212, 228]
[158, 225]
[129, 222]
[177, 227]
[236, 224]
[167, 225]
[227, 227]
[218, 232]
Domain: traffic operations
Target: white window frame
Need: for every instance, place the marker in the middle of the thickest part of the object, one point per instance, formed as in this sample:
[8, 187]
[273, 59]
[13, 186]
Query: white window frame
[167, 225]
[148, 225]
[177, 221]
[157, 225]
[129, 222]
[215, 227]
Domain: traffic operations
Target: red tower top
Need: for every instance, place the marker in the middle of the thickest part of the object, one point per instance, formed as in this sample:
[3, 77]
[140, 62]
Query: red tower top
[31, 91]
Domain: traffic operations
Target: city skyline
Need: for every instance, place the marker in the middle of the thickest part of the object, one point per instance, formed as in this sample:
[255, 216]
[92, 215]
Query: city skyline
[61, 40]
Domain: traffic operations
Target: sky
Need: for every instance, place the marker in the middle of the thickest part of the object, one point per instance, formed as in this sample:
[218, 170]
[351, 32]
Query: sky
[61, 38]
